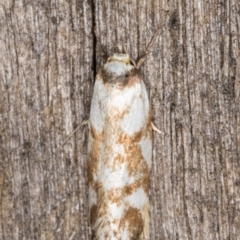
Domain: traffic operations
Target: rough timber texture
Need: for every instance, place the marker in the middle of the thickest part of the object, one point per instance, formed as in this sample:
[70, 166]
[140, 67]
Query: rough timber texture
[45, 78]
[48, 57]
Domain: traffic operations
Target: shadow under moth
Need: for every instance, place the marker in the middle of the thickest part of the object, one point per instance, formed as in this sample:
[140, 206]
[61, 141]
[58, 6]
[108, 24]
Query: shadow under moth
[120, 151]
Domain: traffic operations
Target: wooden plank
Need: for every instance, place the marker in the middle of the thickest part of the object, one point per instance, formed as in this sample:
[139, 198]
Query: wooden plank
[190, 77]
[46, 80]
[49, 57]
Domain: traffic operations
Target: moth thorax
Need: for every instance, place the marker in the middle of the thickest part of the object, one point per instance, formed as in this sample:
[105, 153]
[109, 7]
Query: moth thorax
[117, 68]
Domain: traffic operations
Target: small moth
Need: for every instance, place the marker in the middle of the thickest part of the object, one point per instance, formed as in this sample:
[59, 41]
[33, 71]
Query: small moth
[120, 152]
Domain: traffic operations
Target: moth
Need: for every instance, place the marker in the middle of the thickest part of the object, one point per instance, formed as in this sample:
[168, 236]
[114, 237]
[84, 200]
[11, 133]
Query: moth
[120, 151]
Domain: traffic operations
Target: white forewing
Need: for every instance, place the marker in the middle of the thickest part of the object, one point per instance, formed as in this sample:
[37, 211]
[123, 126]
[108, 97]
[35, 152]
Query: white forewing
[120, 151]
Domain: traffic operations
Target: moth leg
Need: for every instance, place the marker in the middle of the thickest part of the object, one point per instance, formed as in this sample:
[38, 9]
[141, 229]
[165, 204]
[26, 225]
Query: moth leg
[156, 129]
[80, 125]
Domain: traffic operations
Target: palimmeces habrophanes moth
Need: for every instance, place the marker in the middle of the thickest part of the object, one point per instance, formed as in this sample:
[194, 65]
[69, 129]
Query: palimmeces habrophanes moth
[120, 152]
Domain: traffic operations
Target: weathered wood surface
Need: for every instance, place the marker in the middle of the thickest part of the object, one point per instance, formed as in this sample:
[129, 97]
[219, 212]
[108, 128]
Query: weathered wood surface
[49, 55]
[46, 79]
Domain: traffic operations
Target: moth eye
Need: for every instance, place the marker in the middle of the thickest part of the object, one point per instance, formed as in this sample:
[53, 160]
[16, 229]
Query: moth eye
[126, 75]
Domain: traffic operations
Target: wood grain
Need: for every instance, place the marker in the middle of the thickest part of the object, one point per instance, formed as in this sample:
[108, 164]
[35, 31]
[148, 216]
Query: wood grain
[50, 52]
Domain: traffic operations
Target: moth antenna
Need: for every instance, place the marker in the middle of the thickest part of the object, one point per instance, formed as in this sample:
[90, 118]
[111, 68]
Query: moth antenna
[158, 49]
[153, 39]
[142, 59]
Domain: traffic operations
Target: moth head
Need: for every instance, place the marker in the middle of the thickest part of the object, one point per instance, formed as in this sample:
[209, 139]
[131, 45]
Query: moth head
[121, 54]
[120, 57]
[118, 70]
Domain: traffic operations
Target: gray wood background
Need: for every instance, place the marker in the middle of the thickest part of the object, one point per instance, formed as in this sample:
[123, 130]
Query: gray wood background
[50, 51]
